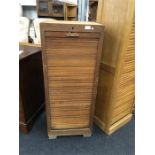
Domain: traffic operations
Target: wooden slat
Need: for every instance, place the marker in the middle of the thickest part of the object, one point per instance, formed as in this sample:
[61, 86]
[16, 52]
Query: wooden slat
[72, 78]
[123, 107]
[69, 111]
[49, 34]
[73, 96]
[69, 52]
[78, 62]
[59, 84]
[54, 104]
[62, 71]
[66, 43]
[70, 122]
[70, 90]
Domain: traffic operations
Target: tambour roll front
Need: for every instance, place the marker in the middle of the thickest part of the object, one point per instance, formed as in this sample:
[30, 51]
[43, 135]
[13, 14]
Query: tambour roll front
[71, 59]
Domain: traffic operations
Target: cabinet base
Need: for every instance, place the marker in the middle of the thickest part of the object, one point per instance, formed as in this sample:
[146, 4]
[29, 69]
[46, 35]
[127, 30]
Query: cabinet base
[53, 134]
[26, 127]
[113, 127]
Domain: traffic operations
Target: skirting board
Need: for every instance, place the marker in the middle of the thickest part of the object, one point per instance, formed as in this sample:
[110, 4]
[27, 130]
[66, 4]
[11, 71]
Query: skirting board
[86, 132]
[115, 126]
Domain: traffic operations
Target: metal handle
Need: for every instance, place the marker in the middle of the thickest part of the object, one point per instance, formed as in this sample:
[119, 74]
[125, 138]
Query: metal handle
[72, 35]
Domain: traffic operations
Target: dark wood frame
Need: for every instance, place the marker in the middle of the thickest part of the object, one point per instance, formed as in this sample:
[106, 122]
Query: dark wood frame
[68, 27]
[30, 103]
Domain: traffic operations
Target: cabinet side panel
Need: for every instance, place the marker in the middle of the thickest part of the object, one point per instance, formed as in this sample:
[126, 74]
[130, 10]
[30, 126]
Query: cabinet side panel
[124, 99]
[115, 15]
[103, 95]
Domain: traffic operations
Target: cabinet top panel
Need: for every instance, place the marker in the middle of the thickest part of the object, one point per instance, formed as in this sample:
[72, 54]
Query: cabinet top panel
[71, 26]
[72, 22]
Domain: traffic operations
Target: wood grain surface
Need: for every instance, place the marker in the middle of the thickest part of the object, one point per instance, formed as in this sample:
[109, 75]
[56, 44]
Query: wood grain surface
[71, 63]
[115, 96]
[31, 87]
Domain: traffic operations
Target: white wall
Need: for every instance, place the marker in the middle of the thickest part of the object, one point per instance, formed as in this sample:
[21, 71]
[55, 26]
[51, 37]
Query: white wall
[28, 2]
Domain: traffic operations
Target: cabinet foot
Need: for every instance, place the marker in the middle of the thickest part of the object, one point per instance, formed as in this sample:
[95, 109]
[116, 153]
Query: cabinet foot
[52, 137]
[87, 135]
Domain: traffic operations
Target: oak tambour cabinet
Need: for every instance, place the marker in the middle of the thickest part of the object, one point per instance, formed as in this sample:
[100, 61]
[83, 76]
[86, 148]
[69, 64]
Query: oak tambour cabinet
[31, 86]
[71, 56]
[116, 88]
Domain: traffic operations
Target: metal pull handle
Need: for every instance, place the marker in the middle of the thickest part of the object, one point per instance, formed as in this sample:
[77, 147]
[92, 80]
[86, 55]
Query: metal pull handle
[72, 35]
